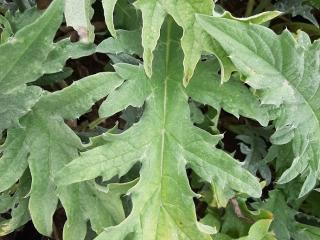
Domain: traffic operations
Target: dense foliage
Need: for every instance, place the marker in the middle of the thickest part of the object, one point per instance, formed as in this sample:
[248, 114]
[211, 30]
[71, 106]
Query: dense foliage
[160, 119]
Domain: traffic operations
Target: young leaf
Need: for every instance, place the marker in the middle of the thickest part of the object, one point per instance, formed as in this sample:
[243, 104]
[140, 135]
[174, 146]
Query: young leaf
[259, 231]
[254, 146]
[255, 19]
[238, 219]
[78, 15]
[162, 199]
[286, 71]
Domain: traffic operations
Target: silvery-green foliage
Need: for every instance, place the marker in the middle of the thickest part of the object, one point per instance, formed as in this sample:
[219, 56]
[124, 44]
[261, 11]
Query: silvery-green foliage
[142, 182]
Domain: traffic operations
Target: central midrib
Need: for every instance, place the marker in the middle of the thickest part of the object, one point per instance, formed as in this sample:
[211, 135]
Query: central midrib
[165, 101]
[164, 121]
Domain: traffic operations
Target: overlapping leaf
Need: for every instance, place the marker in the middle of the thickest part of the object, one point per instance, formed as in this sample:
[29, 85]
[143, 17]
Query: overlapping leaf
[259, 230]
[162, 199]
[45, 144]
[36, 171]
[154, 13]
[233, 96]
[254, 146]
[34, 40]
[194, 39]
[32, 48]
[285, 225]
[286, 71]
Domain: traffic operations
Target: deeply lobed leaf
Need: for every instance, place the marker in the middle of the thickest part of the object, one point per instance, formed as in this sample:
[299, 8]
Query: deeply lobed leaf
[45, 144]
[162, 199]
[286, 71]
[33, 41]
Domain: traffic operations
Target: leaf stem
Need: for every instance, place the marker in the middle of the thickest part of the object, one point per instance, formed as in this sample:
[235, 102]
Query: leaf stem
[250, 7]
[95, 123]
[215, 121]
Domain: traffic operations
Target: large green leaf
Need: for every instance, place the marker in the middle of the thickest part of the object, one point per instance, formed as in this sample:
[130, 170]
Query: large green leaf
[286, 72]
[108, 7]
[45, 144]
[166, 143]
[33, 41]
